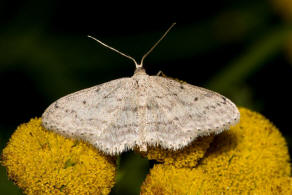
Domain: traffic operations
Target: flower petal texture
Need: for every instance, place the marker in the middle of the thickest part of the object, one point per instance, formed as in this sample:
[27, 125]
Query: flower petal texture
[186, 157]
[281, 185]
[238, 161]
[42, 162]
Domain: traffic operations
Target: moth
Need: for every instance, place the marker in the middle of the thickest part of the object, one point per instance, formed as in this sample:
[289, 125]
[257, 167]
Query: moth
[140, 111]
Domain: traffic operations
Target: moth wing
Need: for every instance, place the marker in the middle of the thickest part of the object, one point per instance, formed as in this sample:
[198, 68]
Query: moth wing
[97, 115]
[178, 113]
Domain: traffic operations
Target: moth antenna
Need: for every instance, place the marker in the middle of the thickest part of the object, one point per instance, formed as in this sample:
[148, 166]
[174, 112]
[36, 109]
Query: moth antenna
[129, 57]
[119, 52]
[151, 49]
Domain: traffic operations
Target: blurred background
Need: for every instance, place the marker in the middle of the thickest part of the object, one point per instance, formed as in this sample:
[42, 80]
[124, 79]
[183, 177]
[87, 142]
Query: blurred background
[241, 49]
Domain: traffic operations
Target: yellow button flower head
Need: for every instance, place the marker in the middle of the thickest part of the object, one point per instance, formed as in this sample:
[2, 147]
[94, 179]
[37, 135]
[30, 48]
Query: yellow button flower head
[281, 185]
[237, 161]
[284, 7]
[187, 157]
[42, 162]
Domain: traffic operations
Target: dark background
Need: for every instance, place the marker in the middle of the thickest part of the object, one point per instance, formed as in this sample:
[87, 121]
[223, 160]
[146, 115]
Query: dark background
[242, 49]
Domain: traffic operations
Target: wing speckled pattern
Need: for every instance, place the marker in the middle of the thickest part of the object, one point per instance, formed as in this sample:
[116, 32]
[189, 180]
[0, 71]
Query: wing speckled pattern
[185, 112]
[139, 111]
[102, 115]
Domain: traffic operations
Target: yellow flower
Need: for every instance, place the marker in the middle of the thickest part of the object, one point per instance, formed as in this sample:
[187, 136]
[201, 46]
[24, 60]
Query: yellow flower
[252, 157]
[42, 162]
[284, 7]
[281, 185]
[238, 161]
[187, 157]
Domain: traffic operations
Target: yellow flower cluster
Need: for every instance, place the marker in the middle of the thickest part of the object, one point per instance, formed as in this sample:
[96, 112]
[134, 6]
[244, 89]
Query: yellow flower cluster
[42, 162]
[284, 7]
[280, 185]
[239, 161]
[252, 157]
[187, 157]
